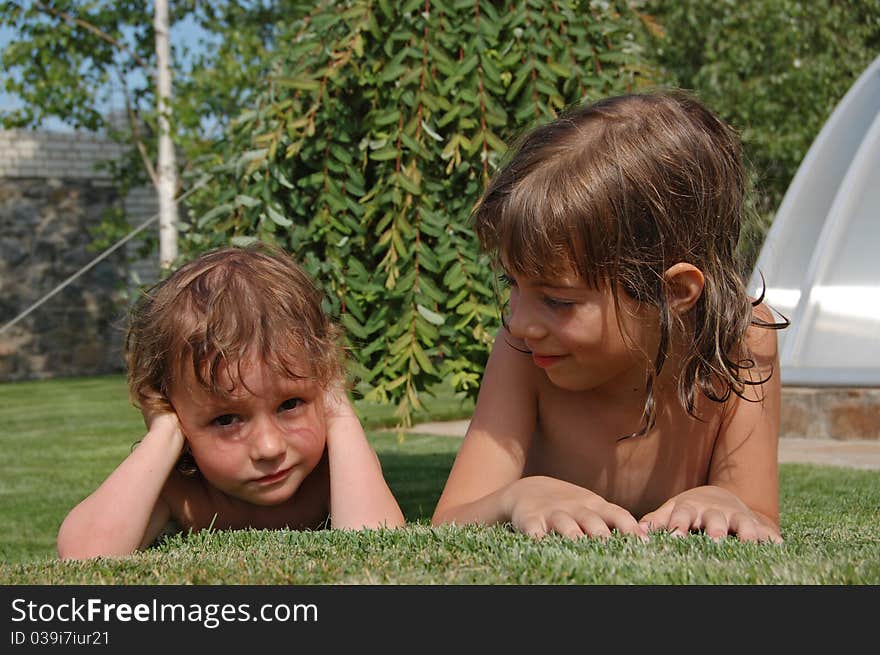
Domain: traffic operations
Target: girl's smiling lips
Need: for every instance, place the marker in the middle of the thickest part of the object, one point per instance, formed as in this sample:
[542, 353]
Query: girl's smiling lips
[272, 478]
[545, 361]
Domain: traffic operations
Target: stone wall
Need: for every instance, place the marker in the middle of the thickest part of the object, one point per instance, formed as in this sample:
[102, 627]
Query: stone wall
[50, 196]
[830, 413]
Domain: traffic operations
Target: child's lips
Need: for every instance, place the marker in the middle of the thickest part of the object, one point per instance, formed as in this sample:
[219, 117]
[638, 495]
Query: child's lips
[272, 478]
[545, 361]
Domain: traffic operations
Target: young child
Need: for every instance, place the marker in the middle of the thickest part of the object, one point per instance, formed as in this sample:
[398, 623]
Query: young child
[634, 385]
[239, 375]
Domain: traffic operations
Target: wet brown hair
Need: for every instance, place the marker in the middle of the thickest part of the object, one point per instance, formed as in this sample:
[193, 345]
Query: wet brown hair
[223, 309]
[620, 190]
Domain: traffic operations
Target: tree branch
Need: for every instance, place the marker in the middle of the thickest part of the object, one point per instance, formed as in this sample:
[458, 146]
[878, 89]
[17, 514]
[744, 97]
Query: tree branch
[94, 30]
[134, 125]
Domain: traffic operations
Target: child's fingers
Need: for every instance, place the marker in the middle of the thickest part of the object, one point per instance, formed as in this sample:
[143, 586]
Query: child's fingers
[564, 524]
[533, 526]
[767, 533]
[592, 524]
[715, 524]
[621, 520]
[746, 528]
[659, 518]
[683, 517]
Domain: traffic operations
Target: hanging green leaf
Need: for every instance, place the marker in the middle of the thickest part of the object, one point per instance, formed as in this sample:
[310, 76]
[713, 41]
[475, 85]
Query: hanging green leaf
[367, 147]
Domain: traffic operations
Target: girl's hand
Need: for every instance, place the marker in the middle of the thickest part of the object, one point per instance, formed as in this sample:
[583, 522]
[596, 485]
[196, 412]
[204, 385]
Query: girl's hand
[539, 505]
[716, 511]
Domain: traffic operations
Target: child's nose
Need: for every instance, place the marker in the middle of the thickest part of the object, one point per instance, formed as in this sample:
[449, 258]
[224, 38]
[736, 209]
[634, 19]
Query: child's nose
[268, 442]
[523, 323]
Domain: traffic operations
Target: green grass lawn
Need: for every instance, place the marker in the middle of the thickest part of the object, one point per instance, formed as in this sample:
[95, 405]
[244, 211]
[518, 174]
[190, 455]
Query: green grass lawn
[60, 438]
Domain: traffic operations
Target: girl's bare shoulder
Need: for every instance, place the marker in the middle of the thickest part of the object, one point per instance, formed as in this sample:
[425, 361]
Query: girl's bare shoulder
[761, 339]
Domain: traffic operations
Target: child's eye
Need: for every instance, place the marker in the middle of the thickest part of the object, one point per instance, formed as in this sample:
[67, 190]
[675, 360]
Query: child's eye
[225, 420]
[289, 404]
[506, 280]
[556, 303]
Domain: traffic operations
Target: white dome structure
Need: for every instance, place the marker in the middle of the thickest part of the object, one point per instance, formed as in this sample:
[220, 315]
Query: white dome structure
[821, 258]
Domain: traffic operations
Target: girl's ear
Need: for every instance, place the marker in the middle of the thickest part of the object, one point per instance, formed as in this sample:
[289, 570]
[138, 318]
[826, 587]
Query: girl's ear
[684, 284]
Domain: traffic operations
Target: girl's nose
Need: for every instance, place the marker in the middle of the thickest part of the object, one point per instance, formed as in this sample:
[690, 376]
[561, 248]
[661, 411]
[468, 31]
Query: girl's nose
[268, 442]
[523, 323]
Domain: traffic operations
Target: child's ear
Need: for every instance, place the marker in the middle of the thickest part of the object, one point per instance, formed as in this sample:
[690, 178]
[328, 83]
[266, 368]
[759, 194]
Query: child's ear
[684, 284]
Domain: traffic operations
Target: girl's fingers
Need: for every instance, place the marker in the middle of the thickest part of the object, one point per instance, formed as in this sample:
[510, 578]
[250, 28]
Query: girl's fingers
[618, 518]
[659, 518]
[564, 524]
[682, 519]
[715, 524]
[747, 529]
[533, 526]
[767, 533]
[592, 524]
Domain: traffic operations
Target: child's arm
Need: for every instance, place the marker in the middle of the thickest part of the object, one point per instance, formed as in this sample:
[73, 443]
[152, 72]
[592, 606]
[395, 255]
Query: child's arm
[486, 484]
[359, 495]
[126, 512]
[742, 494]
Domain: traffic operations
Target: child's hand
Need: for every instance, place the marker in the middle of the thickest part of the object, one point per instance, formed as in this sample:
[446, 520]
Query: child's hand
[716, 511]
[336, 404]
[162, 420]
[359, 495]
[127, 511]
[539, 505]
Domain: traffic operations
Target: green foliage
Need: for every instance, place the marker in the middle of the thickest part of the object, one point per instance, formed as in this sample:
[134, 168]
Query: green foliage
[91, 65]
[58, 68]
[367, 145]
[775, 69]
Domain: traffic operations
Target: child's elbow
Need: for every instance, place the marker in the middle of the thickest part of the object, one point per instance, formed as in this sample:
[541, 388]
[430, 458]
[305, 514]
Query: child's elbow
[71, 545]
[76, 542]
[391, 518]
[70, 548]
[441, 517]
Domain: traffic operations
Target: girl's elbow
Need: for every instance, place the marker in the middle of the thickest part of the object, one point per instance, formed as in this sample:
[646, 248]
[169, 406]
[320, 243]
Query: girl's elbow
[441, 517]
[393, 518]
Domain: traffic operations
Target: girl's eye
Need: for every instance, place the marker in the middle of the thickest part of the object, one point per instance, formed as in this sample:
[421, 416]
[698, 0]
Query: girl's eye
[289, 404]
[225, 420]
[556, 303]
[506, 280]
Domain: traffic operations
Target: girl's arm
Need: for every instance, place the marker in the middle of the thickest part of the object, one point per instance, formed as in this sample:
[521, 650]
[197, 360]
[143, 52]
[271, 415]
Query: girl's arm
[126, 512]
[486, 485]
[493, 453]
[359, 495]
[742, 492]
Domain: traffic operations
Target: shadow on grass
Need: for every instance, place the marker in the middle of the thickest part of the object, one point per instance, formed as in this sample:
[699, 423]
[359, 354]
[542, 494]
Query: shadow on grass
[417, 481]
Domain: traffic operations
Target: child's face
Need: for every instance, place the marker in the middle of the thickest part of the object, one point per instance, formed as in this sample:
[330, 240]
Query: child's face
[259, 443]
[574, 335]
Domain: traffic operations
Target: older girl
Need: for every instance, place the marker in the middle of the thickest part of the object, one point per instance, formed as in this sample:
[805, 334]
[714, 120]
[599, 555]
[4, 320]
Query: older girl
[634, 385]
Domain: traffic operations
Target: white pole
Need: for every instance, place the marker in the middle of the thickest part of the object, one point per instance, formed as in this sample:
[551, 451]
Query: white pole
[167, 168]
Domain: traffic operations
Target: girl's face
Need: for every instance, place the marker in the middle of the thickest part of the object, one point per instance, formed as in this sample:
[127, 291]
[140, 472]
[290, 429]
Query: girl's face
[574, 334]
[259, 443]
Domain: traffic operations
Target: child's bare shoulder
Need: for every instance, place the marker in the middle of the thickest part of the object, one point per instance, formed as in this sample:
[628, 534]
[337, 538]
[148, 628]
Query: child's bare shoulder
[511, 360]
[761, 339]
